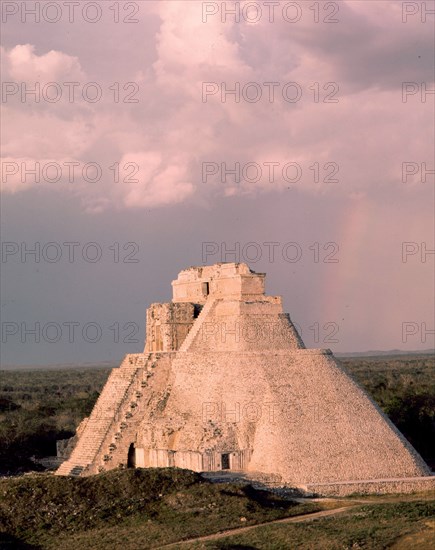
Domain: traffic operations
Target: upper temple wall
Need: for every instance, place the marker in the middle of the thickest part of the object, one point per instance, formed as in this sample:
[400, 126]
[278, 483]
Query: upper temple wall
[218, 281]
[167, 326]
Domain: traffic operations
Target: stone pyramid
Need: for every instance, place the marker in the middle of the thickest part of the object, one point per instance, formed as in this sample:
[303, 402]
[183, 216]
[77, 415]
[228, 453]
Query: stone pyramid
[226, 383]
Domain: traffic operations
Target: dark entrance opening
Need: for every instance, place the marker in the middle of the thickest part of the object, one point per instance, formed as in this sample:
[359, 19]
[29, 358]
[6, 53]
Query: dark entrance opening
[225, 459]
[131, 459]
[205, 289]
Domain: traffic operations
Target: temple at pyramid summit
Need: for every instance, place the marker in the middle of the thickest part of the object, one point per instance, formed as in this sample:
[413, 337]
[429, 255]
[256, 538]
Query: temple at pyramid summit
[226, 383]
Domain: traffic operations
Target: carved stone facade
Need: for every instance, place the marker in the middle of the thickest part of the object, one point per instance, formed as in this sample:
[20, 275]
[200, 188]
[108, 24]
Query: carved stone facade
[167, 325]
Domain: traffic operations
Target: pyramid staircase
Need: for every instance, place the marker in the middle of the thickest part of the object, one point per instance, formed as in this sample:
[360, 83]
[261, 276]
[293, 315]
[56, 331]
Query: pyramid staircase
[197, 325]
[125, 415]
[104, 414]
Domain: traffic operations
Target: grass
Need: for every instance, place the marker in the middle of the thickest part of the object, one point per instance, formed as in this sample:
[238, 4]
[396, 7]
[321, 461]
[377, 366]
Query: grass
[38, 407]
[372, 527]
[156, 505]
[404, 387]
[148, 508]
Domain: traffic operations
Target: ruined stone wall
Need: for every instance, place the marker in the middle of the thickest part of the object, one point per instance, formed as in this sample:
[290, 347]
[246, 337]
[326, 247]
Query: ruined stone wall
[370, 487]
[219, 281]
[167, 325]
[209, 461]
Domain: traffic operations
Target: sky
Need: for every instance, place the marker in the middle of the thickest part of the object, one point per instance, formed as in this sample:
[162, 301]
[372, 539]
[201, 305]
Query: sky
[140, 138]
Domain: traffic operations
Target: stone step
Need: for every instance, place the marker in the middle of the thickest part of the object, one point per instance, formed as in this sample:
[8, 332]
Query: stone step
[109, 412]
[100, 421]
[66, 468]
[117, 429]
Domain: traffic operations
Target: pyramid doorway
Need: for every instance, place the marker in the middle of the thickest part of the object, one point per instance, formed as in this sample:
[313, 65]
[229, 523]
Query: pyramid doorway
[131, 458]
[225, 461]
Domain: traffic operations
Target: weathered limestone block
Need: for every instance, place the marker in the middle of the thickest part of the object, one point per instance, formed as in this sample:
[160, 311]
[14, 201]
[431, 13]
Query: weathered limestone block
[168, 325]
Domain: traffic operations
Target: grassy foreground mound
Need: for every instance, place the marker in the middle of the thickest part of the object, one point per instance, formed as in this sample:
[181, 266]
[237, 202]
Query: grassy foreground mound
[119, 508]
